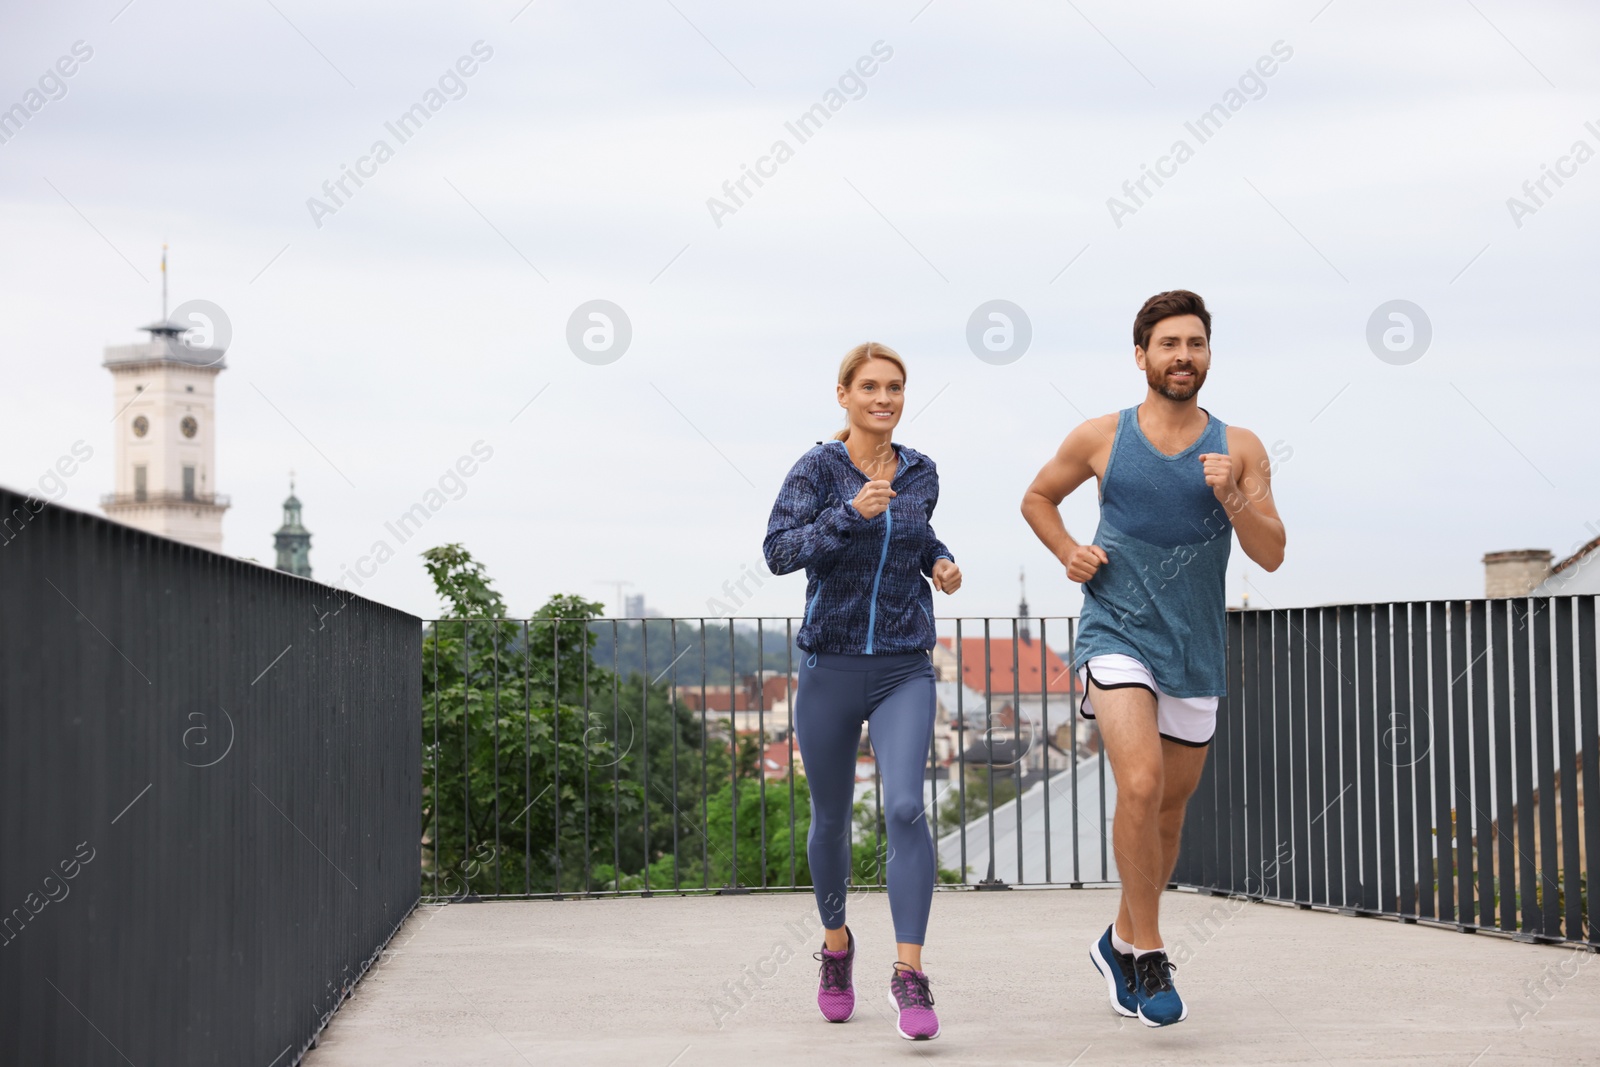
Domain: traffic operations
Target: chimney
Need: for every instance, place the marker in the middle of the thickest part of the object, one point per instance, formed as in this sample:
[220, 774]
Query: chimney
[1516, 572]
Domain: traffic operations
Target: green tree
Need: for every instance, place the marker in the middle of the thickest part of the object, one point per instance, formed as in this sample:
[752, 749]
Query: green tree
[531, 728]
[501, 753]
[708, 860]
[675, 759]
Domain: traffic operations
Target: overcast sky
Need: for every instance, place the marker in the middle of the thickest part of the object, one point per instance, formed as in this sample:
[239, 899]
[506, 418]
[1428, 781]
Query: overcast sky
[376, 339]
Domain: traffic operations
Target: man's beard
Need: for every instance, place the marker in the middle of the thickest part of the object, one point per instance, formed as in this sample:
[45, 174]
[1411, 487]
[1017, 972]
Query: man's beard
[1158, 382]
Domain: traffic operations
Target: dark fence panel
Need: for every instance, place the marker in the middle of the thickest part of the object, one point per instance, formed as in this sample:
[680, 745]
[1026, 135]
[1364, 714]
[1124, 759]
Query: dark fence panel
[208, 816]
[1451, 751]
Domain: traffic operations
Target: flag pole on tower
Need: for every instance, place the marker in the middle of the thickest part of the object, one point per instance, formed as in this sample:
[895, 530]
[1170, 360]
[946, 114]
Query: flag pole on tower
[163, 281]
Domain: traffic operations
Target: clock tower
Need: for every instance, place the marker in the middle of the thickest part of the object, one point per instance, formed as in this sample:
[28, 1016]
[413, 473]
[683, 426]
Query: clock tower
[164, 431]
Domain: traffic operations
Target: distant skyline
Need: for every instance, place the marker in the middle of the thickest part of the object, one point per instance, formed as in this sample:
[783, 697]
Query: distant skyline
[580, 267]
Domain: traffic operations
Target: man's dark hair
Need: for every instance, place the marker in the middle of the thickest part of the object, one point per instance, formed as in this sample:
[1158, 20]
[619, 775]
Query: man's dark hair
[1164, 306]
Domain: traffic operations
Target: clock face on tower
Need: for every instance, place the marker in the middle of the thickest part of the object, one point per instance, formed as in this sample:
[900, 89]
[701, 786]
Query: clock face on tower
[141, 426]
[189, 426]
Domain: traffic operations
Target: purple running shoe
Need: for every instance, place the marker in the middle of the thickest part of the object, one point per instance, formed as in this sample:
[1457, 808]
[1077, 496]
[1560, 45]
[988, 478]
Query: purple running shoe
[913, 1003]
[836, 997]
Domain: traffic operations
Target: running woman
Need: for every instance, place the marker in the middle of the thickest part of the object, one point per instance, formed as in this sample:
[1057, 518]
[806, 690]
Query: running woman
[854, 512]
[1175, 484]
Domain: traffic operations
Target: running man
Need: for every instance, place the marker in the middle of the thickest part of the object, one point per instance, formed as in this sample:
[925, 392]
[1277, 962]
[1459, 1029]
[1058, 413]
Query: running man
[1175, 484]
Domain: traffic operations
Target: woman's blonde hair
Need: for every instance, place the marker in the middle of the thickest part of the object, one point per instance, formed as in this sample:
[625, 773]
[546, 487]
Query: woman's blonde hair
[855, 359]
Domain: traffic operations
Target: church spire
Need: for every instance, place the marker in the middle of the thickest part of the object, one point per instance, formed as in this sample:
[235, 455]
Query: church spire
[1022, 605]
[293, 540]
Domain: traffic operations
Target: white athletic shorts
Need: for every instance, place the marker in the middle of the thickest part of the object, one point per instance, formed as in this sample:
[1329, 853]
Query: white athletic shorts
[1188, 721]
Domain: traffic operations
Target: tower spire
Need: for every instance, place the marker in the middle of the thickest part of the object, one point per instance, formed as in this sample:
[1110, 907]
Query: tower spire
[1022, 604]
[293, 540]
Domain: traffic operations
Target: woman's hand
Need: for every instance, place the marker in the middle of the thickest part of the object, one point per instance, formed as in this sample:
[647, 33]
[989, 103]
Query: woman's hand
[946, 576]
[873, 500]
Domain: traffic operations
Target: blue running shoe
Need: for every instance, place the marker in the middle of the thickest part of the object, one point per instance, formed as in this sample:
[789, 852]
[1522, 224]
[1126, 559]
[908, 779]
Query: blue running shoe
[1117, 967]
[1159, 1003]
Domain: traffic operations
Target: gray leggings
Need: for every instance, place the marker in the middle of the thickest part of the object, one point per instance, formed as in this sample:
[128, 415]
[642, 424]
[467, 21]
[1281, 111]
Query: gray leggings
[894, 696]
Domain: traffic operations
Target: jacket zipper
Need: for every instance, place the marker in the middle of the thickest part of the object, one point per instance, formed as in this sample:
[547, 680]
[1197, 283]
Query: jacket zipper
[872, 609]
[883, 556]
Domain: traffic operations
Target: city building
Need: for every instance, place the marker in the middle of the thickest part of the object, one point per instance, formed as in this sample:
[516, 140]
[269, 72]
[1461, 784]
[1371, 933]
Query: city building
[759, 702]
[1041, 681]
[1536, 572]
[1041, 687]
[293, 540]
[775, 760]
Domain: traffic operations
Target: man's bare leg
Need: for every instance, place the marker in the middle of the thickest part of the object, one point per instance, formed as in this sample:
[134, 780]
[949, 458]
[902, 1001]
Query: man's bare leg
[1181, 766]
[1181, 769]
[1126, 717]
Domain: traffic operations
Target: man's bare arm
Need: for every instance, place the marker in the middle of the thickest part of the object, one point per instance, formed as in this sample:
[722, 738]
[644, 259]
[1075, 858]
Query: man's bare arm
[1070, 467]
[1247, 495]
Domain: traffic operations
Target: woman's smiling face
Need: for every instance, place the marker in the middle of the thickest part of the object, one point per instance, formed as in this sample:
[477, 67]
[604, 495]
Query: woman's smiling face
[875, 397]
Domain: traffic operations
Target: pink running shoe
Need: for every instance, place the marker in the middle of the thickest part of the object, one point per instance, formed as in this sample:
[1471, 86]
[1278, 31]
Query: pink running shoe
[913, 1003]
[836, 997]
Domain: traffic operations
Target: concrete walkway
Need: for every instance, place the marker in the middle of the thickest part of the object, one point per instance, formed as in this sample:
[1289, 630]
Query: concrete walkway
[654, 983]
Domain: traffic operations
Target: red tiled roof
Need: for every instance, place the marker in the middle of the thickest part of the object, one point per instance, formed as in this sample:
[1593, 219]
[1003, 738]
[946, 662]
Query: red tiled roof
[745, 697]
[777, 688]
[716, 698]
[1059, 677]
[1576, 556]
[775, 758]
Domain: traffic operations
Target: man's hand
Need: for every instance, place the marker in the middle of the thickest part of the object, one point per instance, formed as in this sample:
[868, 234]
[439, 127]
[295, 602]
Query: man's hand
[946, 576]
[1219, 476]
[873, 499]
[1084, 561]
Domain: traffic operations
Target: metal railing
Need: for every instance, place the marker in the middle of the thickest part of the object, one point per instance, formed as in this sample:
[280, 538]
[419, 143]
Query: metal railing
[208, 811]
[605, 756]
[1420, 760]
[1426, 761]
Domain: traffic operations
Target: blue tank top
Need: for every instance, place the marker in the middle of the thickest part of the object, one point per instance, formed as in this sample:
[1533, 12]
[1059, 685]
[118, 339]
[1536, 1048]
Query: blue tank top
[1162, 597]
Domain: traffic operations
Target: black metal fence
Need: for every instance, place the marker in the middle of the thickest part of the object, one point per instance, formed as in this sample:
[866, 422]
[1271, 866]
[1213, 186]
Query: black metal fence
[590, 756]
[1426, 761]
[1420, 760]
[208, 816]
